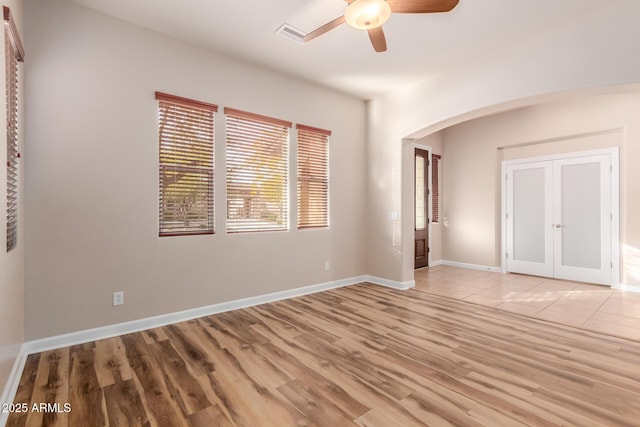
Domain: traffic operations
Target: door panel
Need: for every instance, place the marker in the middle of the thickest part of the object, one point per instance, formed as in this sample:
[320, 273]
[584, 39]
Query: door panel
[582, 219]
[529, 210]
[559, 218]
[421, 217]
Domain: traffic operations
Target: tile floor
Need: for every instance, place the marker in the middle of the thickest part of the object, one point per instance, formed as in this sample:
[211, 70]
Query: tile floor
[593, 307]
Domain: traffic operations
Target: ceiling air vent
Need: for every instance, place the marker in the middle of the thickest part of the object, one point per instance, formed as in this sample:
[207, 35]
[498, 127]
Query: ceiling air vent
[292, 34]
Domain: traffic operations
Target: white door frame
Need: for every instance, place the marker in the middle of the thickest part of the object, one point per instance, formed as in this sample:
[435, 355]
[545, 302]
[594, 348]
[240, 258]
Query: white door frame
[615, 203]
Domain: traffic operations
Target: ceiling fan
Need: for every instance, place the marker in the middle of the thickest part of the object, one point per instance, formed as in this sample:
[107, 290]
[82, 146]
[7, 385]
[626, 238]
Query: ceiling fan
[371, 14]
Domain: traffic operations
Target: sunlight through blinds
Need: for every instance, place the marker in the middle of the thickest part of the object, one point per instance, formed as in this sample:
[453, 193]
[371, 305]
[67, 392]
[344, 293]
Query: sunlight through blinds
[313, 177]
[257, 172]
[186, 129]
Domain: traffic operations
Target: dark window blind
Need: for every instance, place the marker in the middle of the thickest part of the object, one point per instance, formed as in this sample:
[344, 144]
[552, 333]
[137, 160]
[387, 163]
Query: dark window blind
[435, 188]
[14, 53]
[257, 172]
[313, 177]
[186, 130]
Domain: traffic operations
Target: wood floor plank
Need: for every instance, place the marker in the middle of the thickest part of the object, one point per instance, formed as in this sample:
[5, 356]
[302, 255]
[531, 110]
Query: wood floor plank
[248, 406]
[188, 343]
[161, 403]
[111, 362]
[211, 416]
[367, 395]
[360, 355]
[301, 371]
[314, 404]
[124, 405]
[51, 387]
[25, 391]
[85, 393]
[183, 387]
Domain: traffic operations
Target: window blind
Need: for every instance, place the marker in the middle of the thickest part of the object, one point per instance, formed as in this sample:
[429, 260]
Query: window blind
[186, 130]
[435, 188]
[257, 172]
[313, 177]
[13, 54]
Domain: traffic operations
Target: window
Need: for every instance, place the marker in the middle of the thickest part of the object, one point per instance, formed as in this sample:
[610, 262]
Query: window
[435, 188]
[14, 53]
[186, 129]
[313, 177]
[257, 172]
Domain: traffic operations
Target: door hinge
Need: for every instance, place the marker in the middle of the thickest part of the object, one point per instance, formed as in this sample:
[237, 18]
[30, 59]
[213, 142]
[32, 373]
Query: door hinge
[506, 176]
[428, 250]
[507, 215]
[610, 168]
[507, 255]
[612, 265]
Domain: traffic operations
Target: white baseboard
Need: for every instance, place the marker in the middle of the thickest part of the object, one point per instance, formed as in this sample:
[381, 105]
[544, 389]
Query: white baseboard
[403, 286]
[626, 288]
[109, 331]
[469, 266]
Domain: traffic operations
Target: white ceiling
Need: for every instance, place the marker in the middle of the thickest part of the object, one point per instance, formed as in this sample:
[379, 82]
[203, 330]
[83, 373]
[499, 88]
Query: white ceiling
[419, 46]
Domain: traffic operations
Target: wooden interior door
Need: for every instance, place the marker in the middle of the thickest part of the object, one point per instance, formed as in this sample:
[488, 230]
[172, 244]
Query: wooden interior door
[421, 217]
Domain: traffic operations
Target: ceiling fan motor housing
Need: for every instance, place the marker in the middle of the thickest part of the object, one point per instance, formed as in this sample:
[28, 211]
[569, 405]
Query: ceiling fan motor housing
[367, 14]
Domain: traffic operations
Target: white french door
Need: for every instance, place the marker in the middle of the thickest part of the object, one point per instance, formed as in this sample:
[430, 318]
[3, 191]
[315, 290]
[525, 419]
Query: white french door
[529, 215]
[559, 218]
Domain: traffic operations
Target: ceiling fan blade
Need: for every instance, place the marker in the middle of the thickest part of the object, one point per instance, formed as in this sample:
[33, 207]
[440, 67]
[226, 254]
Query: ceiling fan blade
[323, 29]
[376, 35]
[422, 6]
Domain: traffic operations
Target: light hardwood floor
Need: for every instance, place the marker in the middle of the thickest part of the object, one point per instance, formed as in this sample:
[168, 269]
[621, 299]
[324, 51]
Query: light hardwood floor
[362, 355]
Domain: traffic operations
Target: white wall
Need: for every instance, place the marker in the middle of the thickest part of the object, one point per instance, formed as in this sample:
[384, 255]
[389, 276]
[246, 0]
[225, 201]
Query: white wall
[589, 53]
[92, 176]
[11, 263]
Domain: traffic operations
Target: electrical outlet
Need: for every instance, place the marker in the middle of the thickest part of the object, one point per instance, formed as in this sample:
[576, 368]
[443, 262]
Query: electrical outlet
[118, 298]
[327, 266]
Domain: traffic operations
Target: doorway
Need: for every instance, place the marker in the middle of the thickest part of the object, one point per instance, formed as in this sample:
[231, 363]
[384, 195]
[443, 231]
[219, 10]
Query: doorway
[561, 216]
[421, 213]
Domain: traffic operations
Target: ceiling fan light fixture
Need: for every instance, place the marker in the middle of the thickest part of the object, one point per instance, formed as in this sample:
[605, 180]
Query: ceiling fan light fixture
[367, 14]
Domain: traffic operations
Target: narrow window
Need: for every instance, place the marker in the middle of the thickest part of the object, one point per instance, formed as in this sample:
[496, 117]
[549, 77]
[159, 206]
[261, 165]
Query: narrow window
[186, 129]
[14, 53]
[313, 177]
[435, 188]
[257, 172]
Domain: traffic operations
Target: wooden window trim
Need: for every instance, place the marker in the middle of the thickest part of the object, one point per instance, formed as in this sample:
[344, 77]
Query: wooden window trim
[253, 116]
[313, 129]
[187, 102]
[15, 36]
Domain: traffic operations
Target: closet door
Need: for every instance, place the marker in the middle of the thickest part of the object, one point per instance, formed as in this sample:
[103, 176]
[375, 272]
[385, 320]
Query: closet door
[529, 211]
[582, 219]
